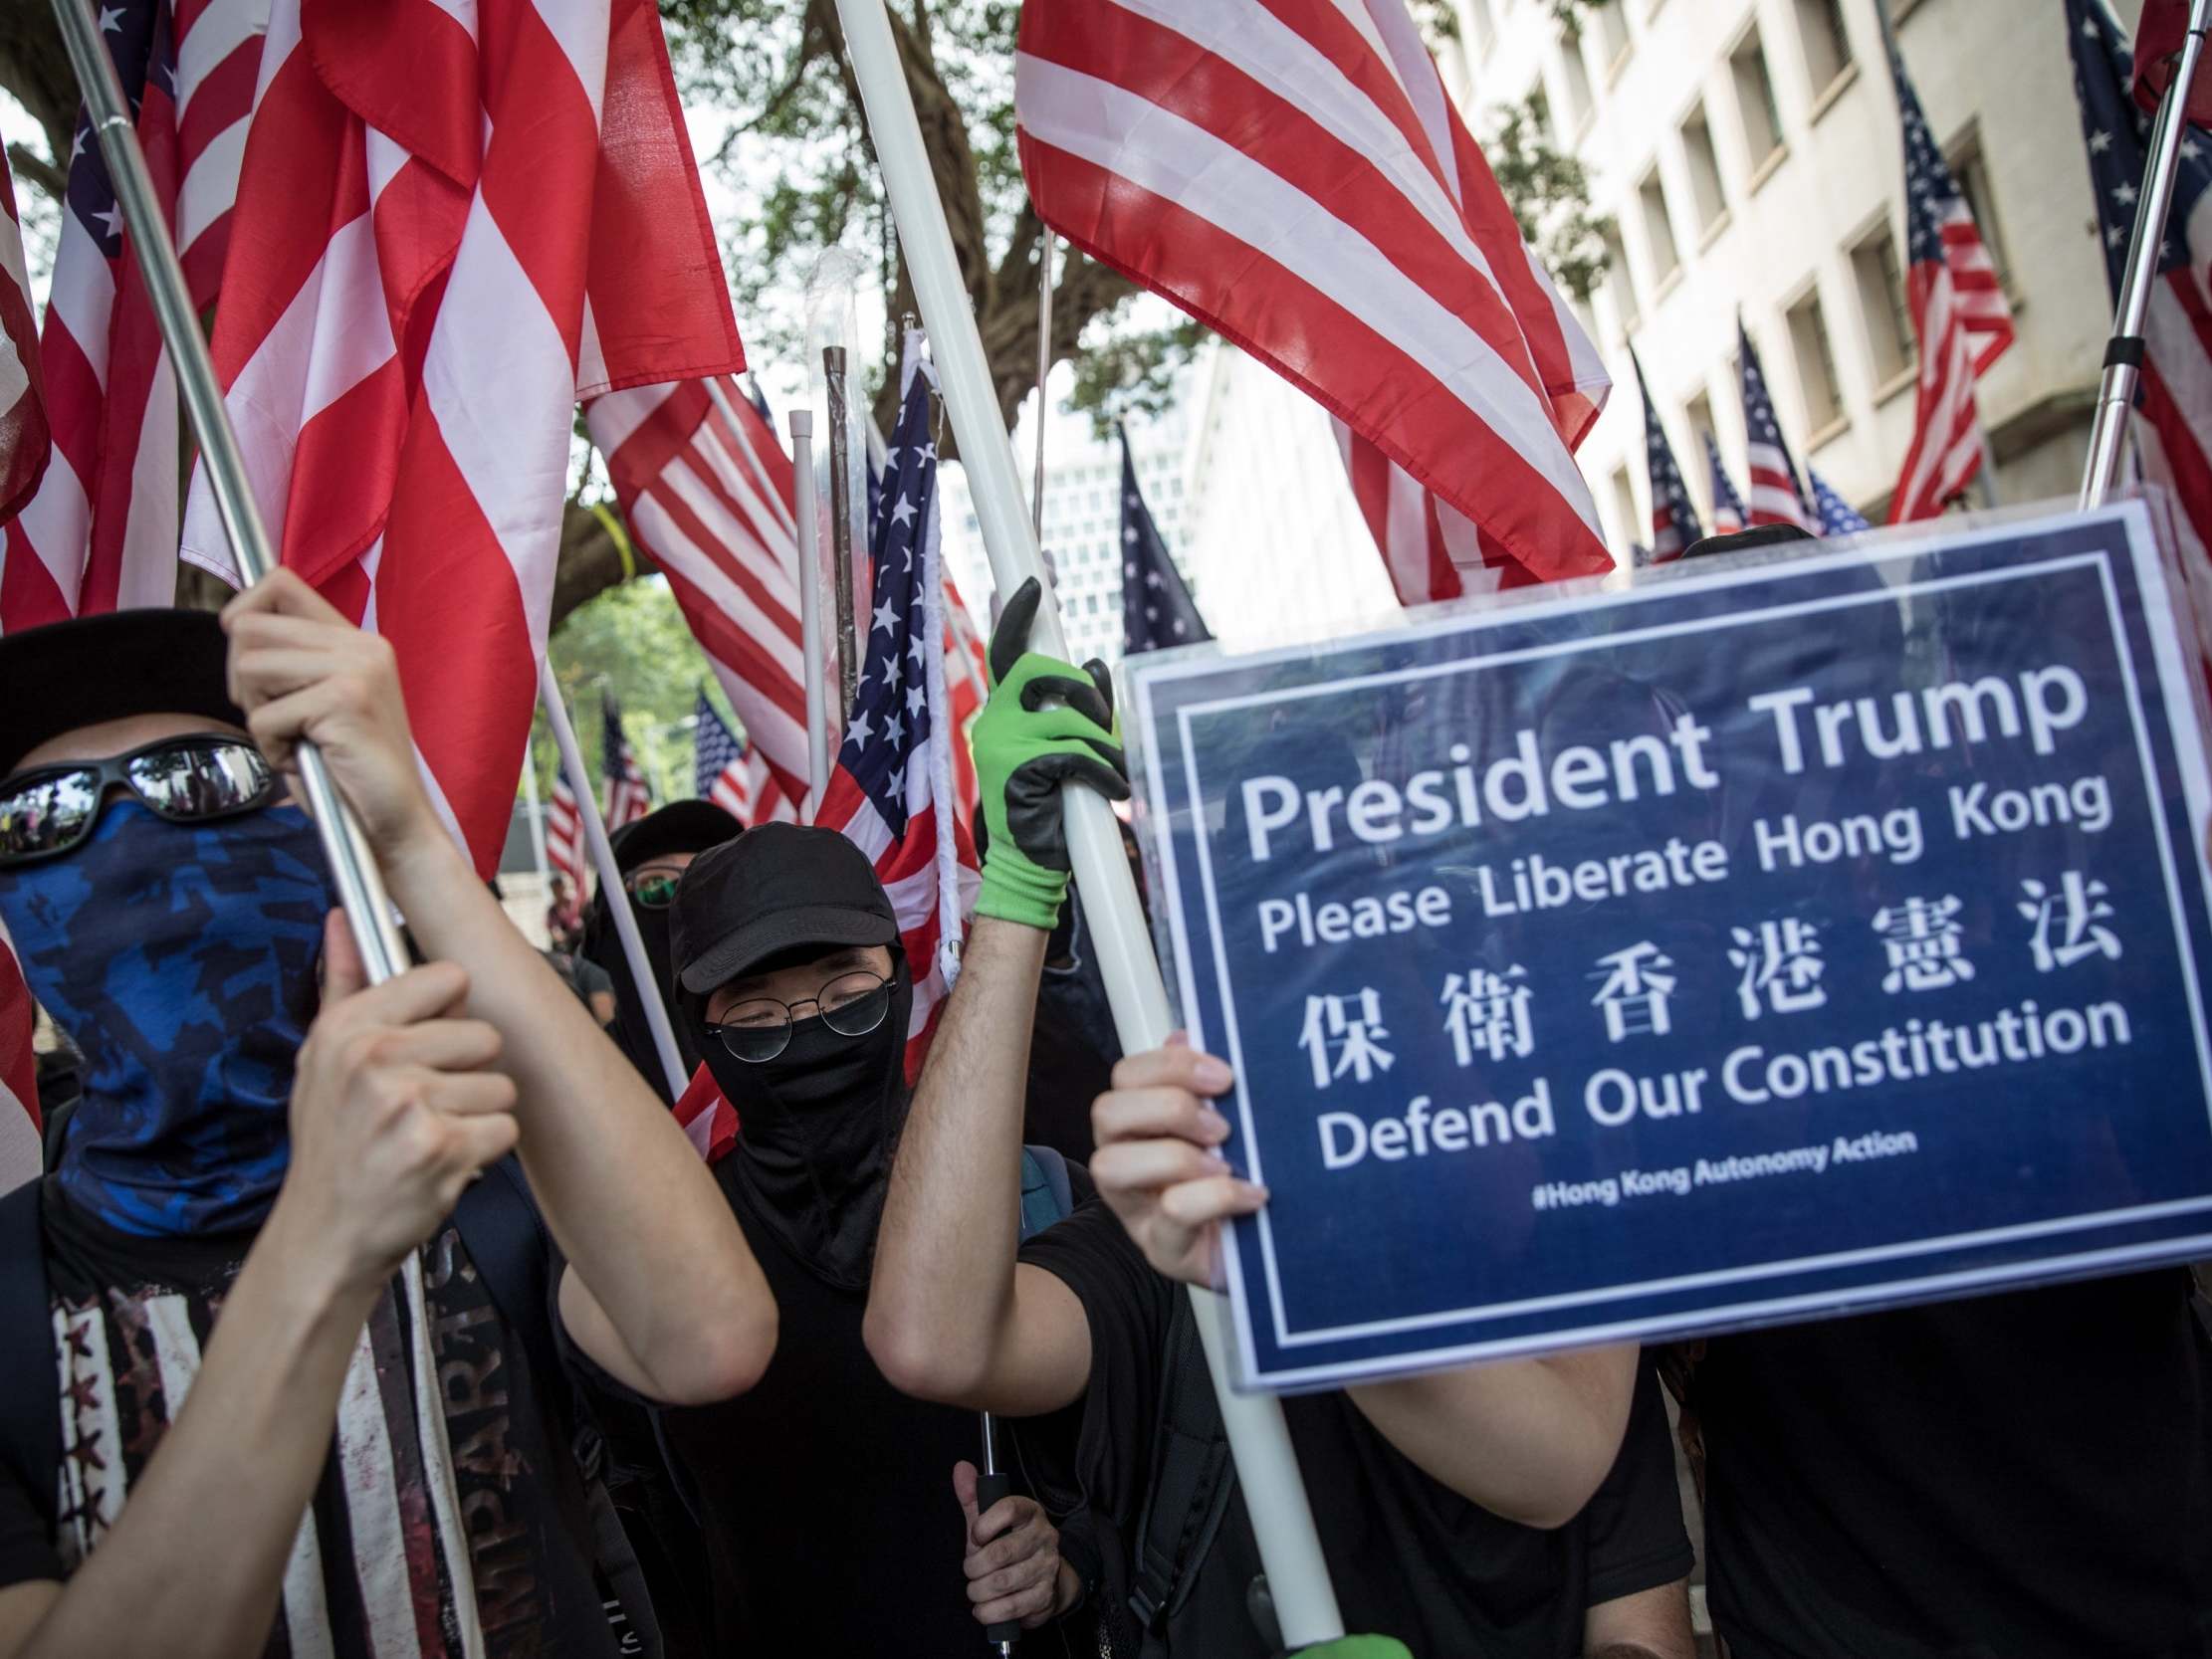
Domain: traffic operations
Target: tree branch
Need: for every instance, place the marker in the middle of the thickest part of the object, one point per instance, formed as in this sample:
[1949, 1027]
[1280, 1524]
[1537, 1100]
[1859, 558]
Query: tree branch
[34, 168]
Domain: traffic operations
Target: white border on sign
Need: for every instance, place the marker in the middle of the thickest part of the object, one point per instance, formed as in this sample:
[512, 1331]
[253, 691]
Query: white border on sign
[2131, 521]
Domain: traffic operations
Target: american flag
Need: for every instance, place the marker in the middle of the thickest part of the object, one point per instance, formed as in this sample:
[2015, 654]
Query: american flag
[1673, 517]
[25, 441]
[1775, 495]
[452, 224]
[1727, 505]
[565, 850]
[1156, 607]
[2173, 429]
[895, 765]
[720, 766]
[19, 1091]
[628, 796]
[708, 491]
[1294, 175]
[1958, 312]
[101, 532]
[1836, 515]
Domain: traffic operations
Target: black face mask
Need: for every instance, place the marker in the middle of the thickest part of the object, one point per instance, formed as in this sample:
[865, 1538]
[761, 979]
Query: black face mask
[817, 1129]
[631, 1032]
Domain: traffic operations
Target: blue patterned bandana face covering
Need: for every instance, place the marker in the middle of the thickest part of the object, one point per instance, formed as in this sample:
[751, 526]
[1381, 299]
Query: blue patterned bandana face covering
[180, 959]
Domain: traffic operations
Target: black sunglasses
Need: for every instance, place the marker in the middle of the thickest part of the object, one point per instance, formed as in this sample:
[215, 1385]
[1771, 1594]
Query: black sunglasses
[187, 780]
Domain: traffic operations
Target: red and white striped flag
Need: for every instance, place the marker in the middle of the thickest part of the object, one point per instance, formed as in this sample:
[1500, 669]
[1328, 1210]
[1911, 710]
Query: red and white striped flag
[101, 532]
[452, 222]
[25, 441]
[19, 1158]
[707, 491]
[628, 796]
[1292, 173]
[1776, 495]
[1958, 312]
[564, 852]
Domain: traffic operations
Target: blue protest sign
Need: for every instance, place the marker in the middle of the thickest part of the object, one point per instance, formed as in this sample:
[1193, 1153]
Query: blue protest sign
[1752, 945]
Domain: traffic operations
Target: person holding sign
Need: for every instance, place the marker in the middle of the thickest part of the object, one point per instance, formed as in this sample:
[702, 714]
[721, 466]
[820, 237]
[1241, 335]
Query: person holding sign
[1484, 1511]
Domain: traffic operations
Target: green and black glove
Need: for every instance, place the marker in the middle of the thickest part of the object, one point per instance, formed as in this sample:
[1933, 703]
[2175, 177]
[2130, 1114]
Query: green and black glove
[1026, 749]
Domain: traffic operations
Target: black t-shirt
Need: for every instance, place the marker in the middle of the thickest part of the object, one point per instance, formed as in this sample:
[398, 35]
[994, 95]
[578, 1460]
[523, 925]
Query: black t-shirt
[132, 1317]
[825, 1494]
[2024, 1476]
[1408, 1557]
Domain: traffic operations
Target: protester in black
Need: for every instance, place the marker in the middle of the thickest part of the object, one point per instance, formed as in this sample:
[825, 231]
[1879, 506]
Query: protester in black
[652, 852]
[1452, 1507]
[826, 1498]
[166, 904]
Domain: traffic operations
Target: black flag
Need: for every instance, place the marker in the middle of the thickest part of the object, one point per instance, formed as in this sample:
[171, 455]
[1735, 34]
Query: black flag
[1156, 608]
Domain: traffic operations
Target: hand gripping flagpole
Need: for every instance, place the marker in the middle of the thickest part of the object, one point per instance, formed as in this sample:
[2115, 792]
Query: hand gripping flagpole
[1274, 1495]
[2123, 354]
[360, 886]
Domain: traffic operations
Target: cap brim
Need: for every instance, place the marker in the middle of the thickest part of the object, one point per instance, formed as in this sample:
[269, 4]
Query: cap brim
[829, 925]
[95, 669]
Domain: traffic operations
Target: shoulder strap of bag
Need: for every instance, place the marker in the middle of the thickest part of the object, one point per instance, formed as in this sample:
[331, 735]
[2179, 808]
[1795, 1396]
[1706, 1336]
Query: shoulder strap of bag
[1193, 1479]
[1047, 1195]
[30, 1423]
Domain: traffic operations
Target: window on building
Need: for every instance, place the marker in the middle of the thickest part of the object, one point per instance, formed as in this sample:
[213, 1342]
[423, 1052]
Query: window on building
[1623, 506]
[1609, 35]
[1704, 169]
[1755, 105]
[1577, 101]
[1816, 362]
[1697, 413]
[1539, 113]
[1658, 230]
[1882, 302]
[1620, 282]
[1971, 174]
[1820, 27]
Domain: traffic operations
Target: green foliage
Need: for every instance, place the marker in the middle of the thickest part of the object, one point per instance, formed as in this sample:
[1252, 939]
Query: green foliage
[1549, 192]
[630, 640]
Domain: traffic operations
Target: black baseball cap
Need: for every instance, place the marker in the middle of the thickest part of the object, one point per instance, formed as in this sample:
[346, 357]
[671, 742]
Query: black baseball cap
[92, 669]
[679, 827]
[775, 889]
[1741, 541]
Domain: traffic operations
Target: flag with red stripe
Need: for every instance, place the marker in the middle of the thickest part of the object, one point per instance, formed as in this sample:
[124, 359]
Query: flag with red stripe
[722, 771]
[1958, 312]
[1776, 495]
[565, 850]
[1727, 505]
[2173, 427]
[628, 797]
[1292, 173]
[25, 441]
[708, 491]
[1673, 517]
[452, 224]
[18, 1079]
[101, 533]
[890, 788]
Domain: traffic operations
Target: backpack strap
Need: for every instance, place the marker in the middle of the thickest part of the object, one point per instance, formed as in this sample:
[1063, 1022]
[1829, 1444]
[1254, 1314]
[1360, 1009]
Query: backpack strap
[1193, 1479]
[1047, 1195]
[30, 1423]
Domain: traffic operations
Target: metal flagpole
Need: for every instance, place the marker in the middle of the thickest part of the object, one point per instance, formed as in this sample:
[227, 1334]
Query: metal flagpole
[1044, 368]
[842, 539]
[353, 872]
[536, 816]
[2123, 354]
[1274, 1495]
[611, 892]
[810, 609]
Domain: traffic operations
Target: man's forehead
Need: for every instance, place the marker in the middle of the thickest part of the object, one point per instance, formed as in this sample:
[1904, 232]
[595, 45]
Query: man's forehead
[105, 738]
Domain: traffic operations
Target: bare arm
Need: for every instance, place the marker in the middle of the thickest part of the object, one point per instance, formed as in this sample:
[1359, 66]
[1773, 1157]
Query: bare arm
[386, 1130]
[951, 1314]
[1527, 1439]
[1651, 1624]
[666, 1294]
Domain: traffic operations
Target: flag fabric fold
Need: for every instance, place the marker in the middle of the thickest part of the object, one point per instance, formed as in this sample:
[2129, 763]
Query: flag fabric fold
[25, 441]
[1291, 173]
[1156, 606]
[1959, 314]
[1776, 497]
[721, 771]
[1674, 515]
[2173, 424]
[1836, 515]
[1728, 516]
[627, 796]
[451, 224]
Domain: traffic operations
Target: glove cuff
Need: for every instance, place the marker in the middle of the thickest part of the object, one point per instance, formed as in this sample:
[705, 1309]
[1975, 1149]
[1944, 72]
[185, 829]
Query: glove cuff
[1018, 889]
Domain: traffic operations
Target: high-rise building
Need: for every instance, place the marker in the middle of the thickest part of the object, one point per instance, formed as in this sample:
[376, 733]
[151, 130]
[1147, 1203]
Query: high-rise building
[1748, 155]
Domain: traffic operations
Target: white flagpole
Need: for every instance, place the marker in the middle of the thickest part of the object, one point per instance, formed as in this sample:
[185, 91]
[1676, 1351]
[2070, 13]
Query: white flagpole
[2123, 353]
[810, 609]
[611, 892]
[536, 812]
[1266, 1466]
